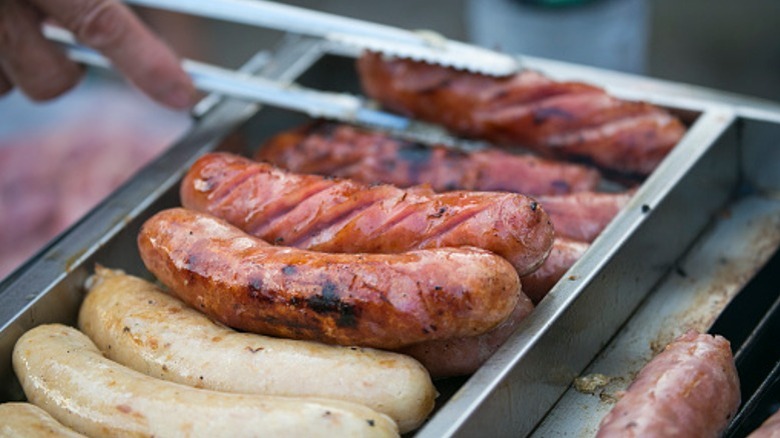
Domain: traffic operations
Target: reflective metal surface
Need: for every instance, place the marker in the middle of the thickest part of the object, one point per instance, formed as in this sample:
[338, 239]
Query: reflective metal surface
[714, 197]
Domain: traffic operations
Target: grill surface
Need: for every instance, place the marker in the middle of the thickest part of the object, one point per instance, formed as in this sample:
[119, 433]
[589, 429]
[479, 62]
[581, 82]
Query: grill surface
[688, 242]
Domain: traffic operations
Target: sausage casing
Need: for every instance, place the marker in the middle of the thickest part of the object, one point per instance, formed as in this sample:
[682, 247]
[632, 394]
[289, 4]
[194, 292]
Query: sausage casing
[463, 356]
[19, 419]
[691, 389]
[583, 216]
[374, 157]
[374, 300]
[134, 323]
[332, 215]
[63, 372]
[564, 119]
[564, 254]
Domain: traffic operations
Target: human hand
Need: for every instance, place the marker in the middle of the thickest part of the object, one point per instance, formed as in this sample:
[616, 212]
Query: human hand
[42, 71]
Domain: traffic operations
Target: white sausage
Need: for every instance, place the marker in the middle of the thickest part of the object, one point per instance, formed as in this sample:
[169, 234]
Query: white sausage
[134, 323]
[27, 420]
[63, 372]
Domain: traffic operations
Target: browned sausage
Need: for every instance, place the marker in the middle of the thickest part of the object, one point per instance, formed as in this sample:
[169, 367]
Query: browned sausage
[372, 300]
[333, 215]
[562, 119]
[583, 216]
[464, 355]
[564, 254]
[374, 157]
[689, 390]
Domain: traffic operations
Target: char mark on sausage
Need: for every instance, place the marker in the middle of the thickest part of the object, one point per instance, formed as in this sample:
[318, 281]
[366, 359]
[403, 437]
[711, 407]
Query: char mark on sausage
[325, 148]
[339, 215]
[569, 120]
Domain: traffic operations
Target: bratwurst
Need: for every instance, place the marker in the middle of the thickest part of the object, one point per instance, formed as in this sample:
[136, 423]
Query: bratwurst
[136, 324]
[370, 157]
[690, 390]
[371, 300]
[343, 216]
[63, 372]
[569, 120]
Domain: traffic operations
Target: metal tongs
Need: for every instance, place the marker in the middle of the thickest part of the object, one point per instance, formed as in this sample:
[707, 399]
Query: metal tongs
[421, 45]
[335, 29]
[213, 79]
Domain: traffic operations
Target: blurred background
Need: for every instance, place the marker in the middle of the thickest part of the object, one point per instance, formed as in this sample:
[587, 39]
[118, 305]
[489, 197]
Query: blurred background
[60, 158]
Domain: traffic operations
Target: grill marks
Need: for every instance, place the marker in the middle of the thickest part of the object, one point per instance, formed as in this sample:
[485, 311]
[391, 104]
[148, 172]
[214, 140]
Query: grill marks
[346, 151]
[336, 215]
[528, 110]
[329, 297]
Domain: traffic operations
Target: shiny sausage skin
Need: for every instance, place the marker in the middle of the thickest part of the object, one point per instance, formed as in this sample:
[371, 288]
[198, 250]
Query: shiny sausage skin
[64, 373]
[561, 119]
[583, 216]
[564, 254]
[371, 300]
[463, 356]
[689, 390]
[370, 157]
[136, 324]
[342, 216]
[27, 420]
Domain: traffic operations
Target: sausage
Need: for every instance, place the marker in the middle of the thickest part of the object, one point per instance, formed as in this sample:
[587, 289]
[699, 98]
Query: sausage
[564, 254]
[690, 390]
[369, 157]
[134, 323]
[371, 300]
[566, 191]
[333, 215]
[770, 428]
[24, 419]
[584, 215]
[63, 372]
[463, 356]
[570, 120]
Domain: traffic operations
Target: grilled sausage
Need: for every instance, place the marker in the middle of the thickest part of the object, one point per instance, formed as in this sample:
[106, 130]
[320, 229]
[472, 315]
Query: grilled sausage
[30, 421]
[463, 356]
[372, 300]
[134, 323]
[562, 119]
[583, 216]
[331, 215]
[373, 157]
[63, 372]
[770, 428]
[690, 390]
[564, 254]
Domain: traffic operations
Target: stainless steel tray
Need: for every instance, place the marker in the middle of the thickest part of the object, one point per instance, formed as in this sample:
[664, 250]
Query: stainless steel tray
[716, 197]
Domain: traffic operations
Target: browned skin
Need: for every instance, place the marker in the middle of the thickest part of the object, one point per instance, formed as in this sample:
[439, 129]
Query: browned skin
[334, 215]
[689, 390]
[769, 428]
[564, 254]
[584, 215]
[463, 356]
[346, 151]
[561, 119]
[372, 300]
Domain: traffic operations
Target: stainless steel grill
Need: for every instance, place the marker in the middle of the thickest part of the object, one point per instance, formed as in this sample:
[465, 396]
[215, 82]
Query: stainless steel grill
[694, 235]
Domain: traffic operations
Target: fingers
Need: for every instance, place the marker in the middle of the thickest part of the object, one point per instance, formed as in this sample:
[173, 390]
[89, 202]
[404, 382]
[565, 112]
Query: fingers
[29, 60]
[111, 28]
